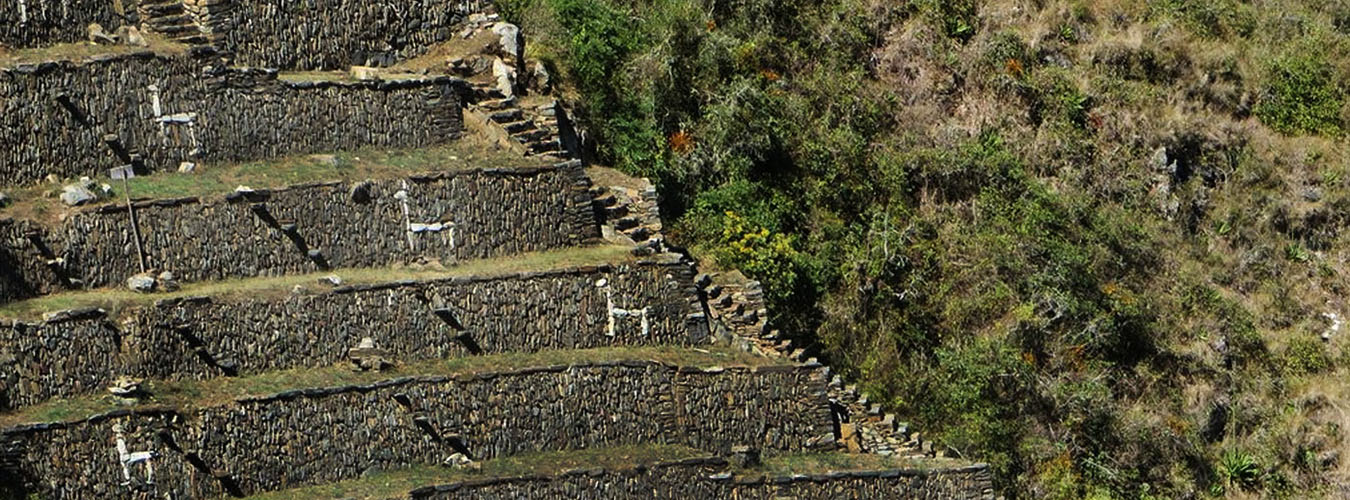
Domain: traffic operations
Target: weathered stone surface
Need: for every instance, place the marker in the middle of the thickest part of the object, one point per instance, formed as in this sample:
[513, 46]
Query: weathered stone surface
[206, 113]
[706, 479]
[323, 435]
[511, 44]
[76, 194]
[494, 213]
[349, 32]
[78, 352]
[142, 282]
[167, 282]
[44, 23]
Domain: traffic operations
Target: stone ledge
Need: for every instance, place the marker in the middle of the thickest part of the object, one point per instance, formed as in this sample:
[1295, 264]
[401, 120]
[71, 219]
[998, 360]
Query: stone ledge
[251, 330]
[271, 443]
[301, 230]
[711, 476]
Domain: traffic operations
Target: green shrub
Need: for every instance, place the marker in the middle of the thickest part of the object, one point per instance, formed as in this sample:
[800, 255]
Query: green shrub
[1302, 96]
[957, 18]
[760, 253]
[1211, 18]
[1239, 471]
[1306, 355]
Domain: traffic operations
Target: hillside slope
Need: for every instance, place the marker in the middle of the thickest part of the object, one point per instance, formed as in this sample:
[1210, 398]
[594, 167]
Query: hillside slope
[1097, 244]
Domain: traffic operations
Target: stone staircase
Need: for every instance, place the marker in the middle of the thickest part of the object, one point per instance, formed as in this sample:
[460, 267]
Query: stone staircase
[736, 306]
[447, 334]
[738, 311]
[534, 128]
[172, 20]
[631, 215]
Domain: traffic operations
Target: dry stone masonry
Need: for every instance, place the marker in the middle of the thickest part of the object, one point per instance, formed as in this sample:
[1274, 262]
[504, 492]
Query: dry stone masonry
[709, 478]
[73, 119]
[81, 352]
[206, 94]
[329, 34]
[450, 216]
[312, 436]
[39, 23]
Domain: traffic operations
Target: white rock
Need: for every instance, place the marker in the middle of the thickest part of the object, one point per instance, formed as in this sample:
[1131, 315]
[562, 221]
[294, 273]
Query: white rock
[506, 77]
[510, 45]
[142, 283]
[75, 195]
[365, 73]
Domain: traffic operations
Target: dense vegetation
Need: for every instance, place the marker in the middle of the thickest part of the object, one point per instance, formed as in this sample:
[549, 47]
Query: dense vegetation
[1095, 244]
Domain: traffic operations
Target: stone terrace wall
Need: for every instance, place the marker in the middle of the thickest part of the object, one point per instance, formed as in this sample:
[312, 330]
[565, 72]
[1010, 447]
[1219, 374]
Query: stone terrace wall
[169, 109]
[495, 212]
[40, 23]
[23, 266]
[82, 352]
[323, 435]
[705, 478]
[331, 34]
[88, 465]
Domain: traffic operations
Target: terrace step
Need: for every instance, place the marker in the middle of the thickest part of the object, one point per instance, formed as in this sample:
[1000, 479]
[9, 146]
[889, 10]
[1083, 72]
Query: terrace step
[522, 126]
[265, 424]
[532, 135]
[507, 116]
[201, 336]
[665, 472]
[498, 104]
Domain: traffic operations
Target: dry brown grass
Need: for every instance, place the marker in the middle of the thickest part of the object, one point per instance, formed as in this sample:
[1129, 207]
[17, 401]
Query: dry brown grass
[80, 51]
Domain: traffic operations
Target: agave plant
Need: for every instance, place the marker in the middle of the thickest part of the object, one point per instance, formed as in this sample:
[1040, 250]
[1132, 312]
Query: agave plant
[1239, 469]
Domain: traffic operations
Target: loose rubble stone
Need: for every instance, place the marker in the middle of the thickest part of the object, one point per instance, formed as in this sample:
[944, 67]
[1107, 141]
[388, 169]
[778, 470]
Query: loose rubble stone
[365, 356]
[99, 36]
[75, 194]
[505, 77]
[744, 456]
[167, 282]
[142, 283]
